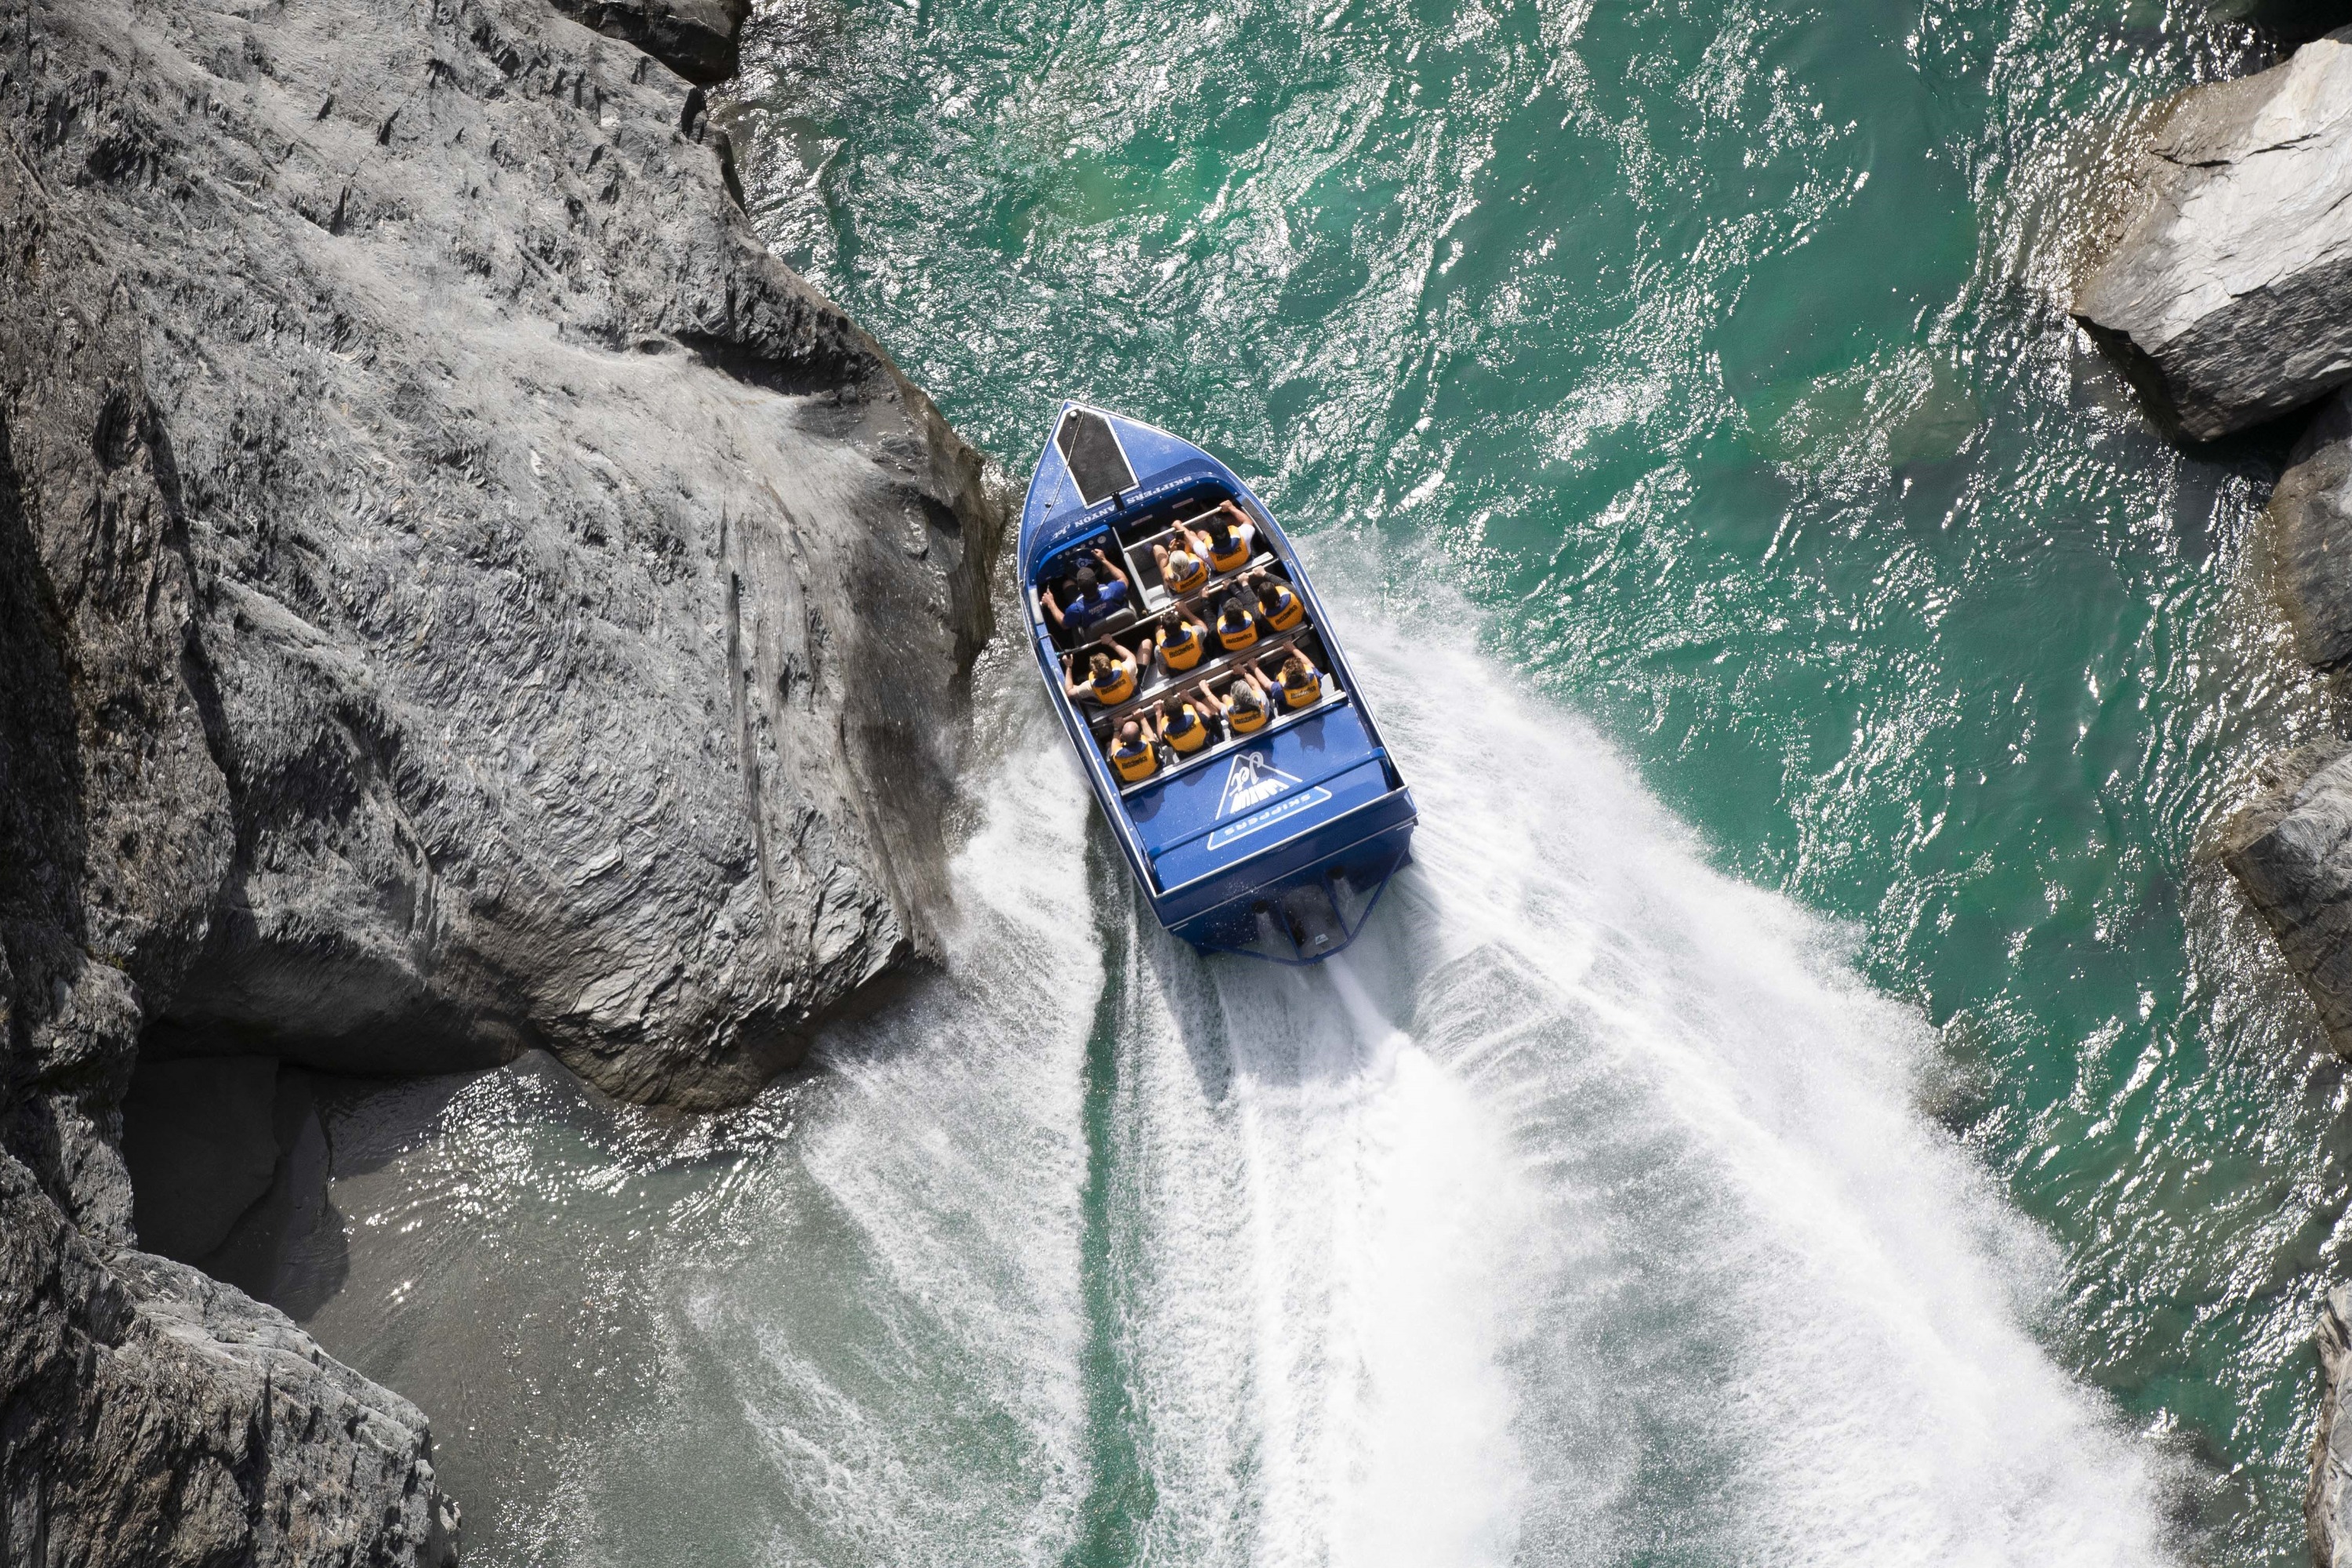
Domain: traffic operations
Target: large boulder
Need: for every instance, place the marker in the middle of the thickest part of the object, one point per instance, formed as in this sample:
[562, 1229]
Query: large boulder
[2291, 851]
[2227, 299]
[561, 607]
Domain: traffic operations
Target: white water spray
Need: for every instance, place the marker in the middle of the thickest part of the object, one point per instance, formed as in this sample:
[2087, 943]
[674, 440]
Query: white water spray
[1578, 1213]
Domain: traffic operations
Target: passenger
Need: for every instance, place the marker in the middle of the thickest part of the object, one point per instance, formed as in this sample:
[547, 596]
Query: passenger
[1232, 538]
[1111, 675]
[1093, 597]
[1185, 567]
[1302, 683]
[1180, 650]
[1132, 755]
[1236, 627]
[1246, 705]
[1186, 730]
[1282, 608]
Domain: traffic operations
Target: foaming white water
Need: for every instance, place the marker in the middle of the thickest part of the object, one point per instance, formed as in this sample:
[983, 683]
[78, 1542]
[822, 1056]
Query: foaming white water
[1775, 1315]
[902, 1326]
[1578, 1213]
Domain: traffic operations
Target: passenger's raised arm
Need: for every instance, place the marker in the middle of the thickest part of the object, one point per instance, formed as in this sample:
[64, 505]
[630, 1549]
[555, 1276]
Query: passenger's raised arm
[1184, 567]
[1232, 538]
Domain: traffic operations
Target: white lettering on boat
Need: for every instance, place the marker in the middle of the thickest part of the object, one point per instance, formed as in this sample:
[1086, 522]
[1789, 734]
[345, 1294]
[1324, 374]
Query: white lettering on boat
[1269, 816]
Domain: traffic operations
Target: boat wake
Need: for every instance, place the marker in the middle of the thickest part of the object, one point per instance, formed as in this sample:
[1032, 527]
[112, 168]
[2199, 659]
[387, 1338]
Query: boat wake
[1580, 1213]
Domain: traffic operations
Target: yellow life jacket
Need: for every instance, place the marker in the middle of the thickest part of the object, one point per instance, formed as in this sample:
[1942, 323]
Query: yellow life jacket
[1183, 651]
[1120, 687]
[1302, 691]
[1137, 765]
[1236, 639]
[1185, 573]
[1244, 717]
[1237, 558]
[1187, 740]
[1288, 610]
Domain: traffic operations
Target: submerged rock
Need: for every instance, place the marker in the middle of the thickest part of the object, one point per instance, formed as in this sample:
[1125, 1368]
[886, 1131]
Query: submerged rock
[2228, 299]
[2291, 851]
[2328, 1502]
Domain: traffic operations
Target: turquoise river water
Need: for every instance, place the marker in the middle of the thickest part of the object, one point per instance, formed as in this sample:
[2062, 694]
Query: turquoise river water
[1816, 1100]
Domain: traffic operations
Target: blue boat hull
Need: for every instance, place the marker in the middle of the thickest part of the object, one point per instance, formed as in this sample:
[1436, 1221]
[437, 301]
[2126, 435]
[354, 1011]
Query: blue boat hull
[1276, 844]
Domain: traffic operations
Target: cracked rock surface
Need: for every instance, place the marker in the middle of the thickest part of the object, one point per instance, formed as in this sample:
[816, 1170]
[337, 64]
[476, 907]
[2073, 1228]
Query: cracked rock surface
[2291, 851]
[2328, 1502]
[457, 593]
[2228, 299]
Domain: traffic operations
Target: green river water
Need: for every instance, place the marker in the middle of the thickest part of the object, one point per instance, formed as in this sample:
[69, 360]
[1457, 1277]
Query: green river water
[1680, 400]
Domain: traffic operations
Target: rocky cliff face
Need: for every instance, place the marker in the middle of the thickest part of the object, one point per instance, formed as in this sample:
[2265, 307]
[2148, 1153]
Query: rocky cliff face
[457, 592]
[155, 1417]
[2328, 1504]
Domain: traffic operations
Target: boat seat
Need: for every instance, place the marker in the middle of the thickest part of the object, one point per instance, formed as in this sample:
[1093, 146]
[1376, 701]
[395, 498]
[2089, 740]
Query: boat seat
[1110, 625]
[1332, 697]
[1265, 560]
[1103, 721]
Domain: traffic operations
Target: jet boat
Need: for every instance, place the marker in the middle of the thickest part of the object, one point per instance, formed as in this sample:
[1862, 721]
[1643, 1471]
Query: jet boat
[1276, 839]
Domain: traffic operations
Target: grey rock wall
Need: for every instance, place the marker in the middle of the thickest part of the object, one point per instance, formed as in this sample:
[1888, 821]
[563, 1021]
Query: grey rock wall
[2311, 525]
[457, 593]
[2328, 1502]
[2228, 301]
[575, 602]
[152, 1416]
[2291, 851]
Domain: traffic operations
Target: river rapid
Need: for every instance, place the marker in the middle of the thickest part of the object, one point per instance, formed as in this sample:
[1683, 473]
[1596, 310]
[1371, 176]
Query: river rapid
[1813, 1100]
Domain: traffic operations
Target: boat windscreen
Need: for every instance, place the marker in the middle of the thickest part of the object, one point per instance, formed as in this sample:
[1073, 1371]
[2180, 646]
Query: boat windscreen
[1091, 448]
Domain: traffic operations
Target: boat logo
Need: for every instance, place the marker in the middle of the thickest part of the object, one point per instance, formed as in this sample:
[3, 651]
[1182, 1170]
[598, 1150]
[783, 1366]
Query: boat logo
[1282, 810]
[1251, 781]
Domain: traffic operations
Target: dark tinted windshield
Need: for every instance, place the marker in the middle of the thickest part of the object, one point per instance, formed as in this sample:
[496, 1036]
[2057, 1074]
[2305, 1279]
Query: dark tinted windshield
[1089, 447]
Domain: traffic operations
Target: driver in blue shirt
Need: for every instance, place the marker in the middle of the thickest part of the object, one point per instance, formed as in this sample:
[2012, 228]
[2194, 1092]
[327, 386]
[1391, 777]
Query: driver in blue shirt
[1092, 596]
